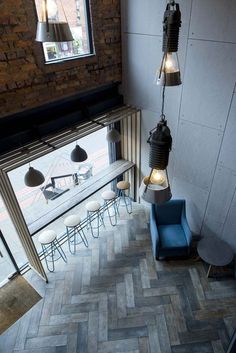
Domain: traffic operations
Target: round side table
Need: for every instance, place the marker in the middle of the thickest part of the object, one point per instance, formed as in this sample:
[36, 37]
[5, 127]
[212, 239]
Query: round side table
[215, 252]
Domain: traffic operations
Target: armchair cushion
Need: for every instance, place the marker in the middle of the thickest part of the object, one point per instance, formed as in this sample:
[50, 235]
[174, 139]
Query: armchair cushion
[172, 236]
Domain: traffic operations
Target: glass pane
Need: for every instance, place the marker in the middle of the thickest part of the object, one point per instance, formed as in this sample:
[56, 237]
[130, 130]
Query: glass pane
[75, 11]
[63, 178]
[11, 236]
[6, 266]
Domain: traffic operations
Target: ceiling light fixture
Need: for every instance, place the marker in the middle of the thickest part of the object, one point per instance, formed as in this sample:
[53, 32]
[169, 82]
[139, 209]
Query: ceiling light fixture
[78, 154]
[113, 135]
[155, 188]
[33, 177]
[169, 72]
[53, 26]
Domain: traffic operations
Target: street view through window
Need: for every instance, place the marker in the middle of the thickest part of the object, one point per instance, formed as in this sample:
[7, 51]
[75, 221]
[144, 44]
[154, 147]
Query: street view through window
[75, 13]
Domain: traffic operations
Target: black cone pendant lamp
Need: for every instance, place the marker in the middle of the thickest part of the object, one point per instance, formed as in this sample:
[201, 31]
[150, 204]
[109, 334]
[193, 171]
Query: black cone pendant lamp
[169, 72]
[78, 154]
[53, 26]
[33, 177]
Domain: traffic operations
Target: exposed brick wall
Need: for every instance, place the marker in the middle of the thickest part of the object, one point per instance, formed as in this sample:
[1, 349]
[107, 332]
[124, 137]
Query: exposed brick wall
[26, 82]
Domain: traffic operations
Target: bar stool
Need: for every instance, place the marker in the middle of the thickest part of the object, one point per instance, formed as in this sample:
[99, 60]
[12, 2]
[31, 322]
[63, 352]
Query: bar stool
[74, 229]
[94, 214]
[51, 246]
[109, 198]
[123, 188]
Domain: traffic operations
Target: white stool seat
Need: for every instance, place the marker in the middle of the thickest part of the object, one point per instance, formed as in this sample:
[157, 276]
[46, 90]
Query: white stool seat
[123, 185]
[93, 206]
[72, 220]
[47, 236]
[108, 195]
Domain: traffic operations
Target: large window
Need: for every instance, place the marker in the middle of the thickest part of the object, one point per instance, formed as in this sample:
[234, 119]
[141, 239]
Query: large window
[63, 178]
[78, 17]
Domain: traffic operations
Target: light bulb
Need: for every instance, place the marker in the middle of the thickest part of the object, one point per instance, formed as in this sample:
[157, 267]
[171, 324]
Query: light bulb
[169, 72]
[169, 64]
[52, 8]
[157, 177]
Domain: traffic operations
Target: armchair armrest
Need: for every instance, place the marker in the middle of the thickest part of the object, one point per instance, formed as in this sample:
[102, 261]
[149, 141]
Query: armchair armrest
[185, 226]
[154, 232]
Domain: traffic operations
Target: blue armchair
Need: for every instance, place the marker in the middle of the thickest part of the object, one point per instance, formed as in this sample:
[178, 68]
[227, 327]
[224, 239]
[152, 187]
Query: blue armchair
[169, 228]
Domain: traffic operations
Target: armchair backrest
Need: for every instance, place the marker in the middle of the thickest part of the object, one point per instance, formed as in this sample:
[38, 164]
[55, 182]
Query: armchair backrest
[170, 212]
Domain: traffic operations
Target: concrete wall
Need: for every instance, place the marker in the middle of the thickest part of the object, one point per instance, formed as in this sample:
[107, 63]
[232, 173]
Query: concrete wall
[25, 80]
[201, 112]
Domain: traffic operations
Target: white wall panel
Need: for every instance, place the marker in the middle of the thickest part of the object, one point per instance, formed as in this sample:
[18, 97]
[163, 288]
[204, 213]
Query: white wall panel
[209, 82]
[229, 231]
[147, 16]
[221, 193]
[214, 20]
[196, 153]
[228, 150]
[211, 227]
[135, 69]
[196, 200]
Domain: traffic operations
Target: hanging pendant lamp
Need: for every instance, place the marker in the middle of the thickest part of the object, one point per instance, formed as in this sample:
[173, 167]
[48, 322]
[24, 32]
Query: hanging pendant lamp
[113, 136]
[33, 177]
[169, 72]
[78, 154]
[54, 26]
[155, 188]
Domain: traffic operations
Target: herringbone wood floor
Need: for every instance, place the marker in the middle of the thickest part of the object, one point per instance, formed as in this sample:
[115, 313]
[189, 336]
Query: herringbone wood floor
[113, 297]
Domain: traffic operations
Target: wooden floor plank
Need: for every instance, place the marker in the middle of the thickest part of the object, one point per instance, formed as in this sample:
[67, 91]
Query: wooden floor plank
[114, 297]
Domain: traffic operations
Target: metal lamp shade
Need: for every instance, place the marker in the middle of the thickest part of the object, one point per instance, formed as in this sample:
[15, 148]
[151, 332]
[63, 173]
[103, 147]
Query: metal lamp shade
[152, 193]
[170, 79]
[113, 136]
[33, 177]
[53, 32]
[78, 154]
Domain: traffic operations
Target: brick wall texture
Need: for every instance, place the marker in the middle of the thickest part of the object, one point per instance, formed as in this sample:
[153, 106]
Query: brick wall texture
[26, 82]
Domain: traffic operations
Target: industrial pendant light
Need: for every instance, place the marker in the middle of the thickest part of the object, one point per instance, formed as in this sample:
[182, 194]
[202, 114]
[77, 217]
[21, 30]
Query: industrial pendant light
[113, 136]
[53, 26]
[155, 188]
[169, 72]
[78, 154]
[33, 177]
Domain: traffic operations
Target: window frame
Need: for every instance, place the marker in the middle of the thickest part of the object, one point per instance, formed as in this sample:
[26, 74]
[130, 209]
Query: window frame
[69, 60]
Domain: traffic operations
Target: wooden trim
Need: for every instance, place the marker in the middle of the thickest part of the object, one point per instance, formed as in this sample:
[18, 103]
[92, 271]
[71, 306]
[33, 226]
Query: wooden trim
[18, 220]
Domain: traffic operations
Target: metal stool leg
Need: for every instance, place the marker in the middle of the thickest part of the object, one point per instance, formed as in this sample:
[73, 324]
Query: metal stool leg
[69, 240]
[97, 216]
[100, 215]
[60, 250]
[82, 236]
[109, 212]
[46, 254]
[128, 204]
